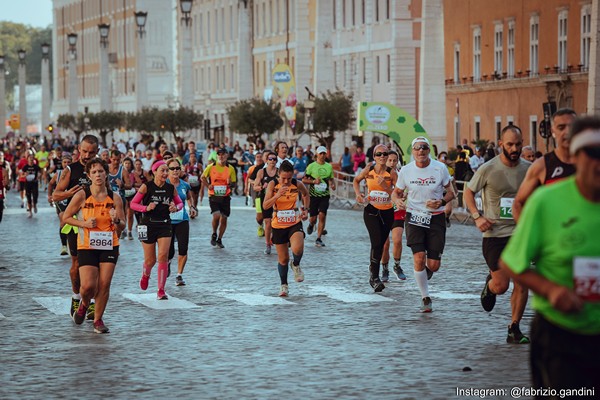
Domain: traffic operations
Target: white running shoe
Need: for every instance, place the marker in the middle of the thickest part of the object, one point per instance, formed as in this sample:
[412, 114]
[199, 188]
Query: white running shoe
[298, 274]
[284, 291]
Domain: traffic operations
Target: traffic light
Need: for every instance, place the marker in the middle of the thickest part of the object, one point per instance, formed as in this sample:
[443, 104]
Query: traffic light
[50, 128]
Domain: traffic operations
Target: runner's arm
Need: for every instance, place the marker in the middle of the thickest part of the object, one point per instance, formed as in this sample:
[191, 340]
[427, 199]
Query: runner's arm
[136, 203]
[270, 199]
[60, 192]
[533, 179]
[72, 209]
[356, 185]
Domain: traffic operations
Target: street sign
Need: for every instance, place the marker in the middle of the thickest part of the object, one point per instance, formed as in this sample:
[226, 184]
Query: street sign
[15, 121]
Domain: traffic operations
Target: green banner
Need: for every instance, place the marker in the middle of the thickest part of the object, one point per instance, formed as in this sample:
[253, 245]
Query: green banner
[390, 120]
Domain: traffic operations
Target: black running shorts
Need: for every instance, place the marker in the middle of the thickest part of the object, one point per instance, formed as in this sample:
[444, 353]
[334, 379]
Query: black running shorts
[220, 204]
[492, 248]
[282, 236]
[430, 240]
[95, 257]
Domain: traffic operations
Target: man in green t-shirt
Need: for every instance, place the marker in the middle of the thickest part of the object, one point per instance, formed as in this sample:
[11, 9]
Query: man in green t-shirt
[498, 181]
[559, 230]
[319, 175]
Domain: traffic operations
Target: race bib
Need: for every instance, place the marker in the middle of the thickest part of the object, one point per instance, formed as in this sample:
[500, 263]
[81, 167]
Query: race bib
[586, 277]
[379, 197]
[422, 219]
[506, 208]
[220, 190]
[177, 216]
[286, 217]
[142, 232]
[30, 178]
[193, 180]
[321, 187]
[130, 192]
[100, 240]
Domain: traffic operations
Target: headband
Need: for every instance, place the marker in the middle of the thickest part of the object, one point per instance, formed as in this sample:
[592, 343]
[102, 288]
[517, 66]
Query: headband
[589, 137]
[157, 165]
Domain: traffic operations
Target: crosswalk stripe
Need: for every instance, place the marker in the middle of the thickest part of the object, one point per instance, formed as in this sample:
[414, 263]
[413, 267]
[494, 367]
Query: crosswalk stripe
[150, 300]
[451, 295]
[56, 305]
[254, 299]
[345, 296]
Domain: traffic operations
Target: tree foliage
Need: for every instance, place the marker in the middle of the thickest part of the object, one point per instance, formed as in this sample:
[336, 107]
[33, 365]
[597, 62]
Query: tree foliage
[105, 122]
[334, 112]
[253, 117]
[74, 123]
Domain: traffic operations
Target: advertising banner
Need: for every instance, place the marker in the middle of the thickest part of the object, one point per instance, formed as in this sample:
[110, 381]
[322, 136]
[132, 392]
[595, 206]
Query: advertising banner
[284, 91]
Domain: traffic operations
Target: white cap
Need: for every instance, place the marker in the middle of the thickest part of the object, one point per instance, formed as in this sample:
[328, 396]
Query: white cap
[586, 138]
[419, 139]
[321, 149]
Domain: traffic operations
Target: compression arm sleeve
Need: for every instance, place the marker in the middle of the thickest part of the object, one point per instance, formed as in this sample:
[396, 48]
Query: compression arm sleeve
[178, 202]
[136, 203]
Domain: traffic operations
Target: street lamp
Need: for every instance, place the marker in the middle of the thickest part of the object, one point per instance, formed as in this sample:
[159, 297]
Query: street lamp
[73, 90]
[104, 30]
[22, 91]
[141, 86]
[45, 85]
[2, 98]
[185, 79]
[309, 112]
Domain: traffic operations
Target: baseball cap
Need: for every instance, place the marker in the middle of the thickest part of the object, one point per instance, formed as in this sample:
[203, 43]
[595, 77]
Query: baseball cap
[321, 149]
[419, 139]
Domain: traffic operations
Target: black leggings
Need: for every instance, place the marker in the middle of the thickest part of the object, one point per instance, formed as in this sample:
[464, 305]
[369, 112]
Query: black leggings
[379, 224]
[31, 190]
[181, 231]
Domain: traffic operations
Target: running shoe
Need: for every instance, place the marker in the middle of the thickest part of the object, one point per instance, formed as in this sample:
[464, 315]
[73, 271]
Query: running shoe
[35, 208]
[385, 273]
[63, 251]
[220, 244]
[99, 327]
[161, 295]
[324, 232]
[260, 232]
[515, 336]
[284, 291]
[377, 285]
[74, 305]
[298, 274]
[79, 315]
[268, 249]
[426, 307]
[310, 229]
[429, 273]
[124, 234]
[144, 281]
[488, 299]
[319, 243]
[129, 236]
[90, 311]
[179, 280]
[213, 239]
[399, 272]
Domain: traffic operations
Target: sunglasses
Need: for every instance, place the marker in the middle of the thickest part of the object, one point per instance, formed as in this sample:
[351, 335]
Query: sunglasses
[272, 159]
[421, 147]
[380, 154]
[174, 168]
[592, 152]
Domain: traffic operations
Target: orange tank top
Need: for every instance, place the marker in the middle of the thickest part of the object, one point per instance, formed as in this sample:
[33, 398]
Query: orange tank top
[219, 179]
[378, 197]
[104, 235]
[285, 212]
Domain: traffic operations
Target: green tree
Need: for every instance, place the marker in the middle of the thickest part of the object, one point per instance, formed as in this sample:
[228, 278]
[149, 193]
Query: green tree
[75, 123]
[334, 112]
[253, 117]
[177, 121]
[105, 122]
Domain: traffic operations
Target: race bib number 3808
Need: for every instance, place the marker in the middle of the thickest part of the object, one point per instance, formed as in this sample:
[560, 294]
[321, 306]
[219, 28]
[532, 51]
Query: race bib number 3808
[420, 219]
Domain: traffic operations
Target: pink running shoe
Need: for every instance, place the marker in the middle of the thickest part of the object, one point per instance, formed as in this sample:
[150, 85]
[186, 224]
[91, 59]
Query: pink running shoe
[161, 295]
[99, 327]
[144, 281]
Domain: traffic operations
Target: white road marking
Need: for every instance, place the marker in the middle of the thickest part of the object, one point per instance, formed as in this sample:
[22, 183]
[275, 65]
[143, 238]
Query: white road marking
[150, 300]
[254, 299]
[345, 296]
[56, 305]
[451, 295]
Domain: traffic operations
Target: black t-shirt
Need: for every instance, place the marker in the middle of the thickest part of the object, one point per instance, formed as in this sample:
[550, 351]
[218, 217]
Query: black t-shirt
[31, 172]
[163, 196]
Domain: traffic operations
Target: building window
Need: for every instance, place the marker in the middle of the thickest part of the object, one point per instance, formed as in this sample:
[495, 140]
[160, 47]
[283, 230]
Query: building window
[334, 2]
[477, 54]
[343, 13]
[586, 36]
[377, 67]
[533, 131]
[456, 63]
[376, 10]
[562, 40]
[364, 70]
[477, 128]
[389, 68]
[510, 47]
[344, 75]
[534, 35]
[498, 121]
[362, 11]
[387, 9]
[498, 46]
[335, 73]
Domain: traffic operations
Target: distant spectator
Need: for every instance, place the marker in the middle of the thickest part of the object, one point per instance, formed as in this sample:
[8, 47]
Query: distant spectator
[346, 162]
[528, 154]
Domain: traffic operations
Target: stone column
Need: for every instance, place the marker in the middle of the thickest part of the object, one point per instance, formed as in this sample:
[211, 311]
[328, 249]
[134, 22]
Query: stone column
[45, 92]
[22, 98]
[245, 75]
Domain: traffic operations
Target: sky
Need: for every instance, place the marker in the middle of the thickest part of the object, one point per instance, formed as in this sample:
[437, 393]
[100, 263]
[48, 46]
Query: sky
[37, 13]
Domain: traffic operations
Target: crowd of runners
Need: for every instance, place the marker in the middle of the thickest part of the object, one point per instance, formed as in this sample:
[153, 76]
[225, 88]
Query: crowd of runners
[103, 196]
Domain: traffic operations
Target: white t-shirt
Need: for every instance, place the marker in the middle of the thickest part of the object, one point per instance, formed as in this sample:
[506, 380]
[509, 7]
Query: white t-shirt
[475, 162]
[423, 184]
[147, 164]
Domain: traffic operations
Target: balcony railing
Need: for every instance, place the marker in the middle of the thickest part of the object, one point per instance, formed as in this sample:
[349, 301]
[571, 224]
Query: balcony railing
[527, 74]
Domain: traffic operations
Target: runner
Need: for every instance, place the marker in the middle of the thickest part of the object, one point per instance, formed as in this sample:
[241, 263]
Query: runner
[98, 240]
[137, 178]
[282, 196]
[194, 170]
[118, 179]
[319, 175]
[21, 177]
[219, 178]
[4, 183]
[263, 177]
[379, 213]
[281, 150]
[65, 162]
[425, 179]
[42, 157]
[397, 231]
[156, 199]
[300, 162]
[129, 192]
[559, 229]
[553, 166]
[72, 180]
[180, 220]
[499, 180]
[32, 172]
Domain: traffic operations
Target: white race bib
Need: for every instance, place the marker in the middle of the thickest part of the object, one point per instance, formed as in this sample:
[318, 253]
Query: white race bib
[422, 219]
[321, 187]
[379, 197]
[177, 216]
[586, 277]
[100, 240]
[142, 232]
[220, 190]
[193, 180]
[130, 192]
[506, 204]
[286, 217]
[30, 178]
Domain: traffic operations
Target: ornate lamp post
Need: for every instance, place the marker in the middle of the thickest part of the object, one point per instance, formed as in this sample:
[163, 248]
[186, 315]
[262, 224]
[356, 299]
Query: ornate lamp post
[2, 98]
[141, 86]
[105, 101]
[45, 85]
[73, 90]
[22, 91]
[187, 93]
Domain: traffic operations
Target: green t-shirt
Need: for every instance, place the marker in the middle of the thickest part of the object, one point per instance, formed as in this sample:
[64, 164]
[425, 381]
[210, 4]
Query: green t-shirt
[499, 184]
[323, 172]
[42, 157]
[558, 226]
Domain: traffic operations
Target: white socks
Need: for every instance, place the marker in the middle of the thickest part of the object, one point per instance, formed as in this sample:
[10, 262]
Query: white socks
[421, 278]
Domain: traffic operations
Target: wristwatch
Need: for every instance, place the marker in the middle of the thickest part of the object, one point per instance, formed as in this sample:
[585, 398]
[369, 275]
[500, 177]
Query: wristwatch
[475, 215]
